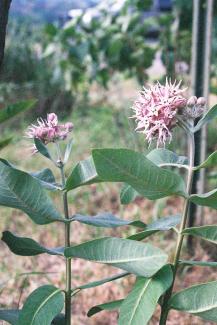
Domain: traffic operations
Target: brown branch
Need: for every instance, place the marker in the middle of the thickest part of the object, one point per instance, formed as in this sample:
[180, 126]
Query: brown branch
[4, 10]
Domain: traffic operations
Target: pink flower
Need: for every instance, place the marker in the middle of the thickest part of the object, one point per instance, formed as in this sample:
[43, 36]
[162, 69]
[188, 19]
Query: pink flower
[49, 130]
[155, 110]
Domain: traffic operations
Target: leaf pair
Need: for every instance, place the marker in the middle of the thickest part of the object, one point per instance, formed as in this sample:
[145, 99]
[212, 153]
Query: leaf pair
[138, 307]
[133, 168]
[131, 256]
[198, 300]
[135, 255]
[141, 175]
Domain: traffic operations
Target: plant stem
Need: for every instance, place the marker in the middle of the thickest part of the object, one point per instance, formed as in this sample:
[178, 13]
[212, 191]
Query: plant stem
[165, 309]
[67, 244]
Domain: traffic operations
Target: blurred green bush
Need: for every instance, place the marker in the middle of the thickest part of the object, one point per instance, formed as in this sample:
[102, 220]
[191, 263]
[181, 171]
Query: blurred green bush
[57, 64]
[26, 74]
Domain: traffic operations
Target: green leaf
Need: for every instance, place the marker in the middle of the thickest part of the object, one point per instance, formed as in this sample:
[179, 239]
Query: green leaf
[207, 199]
[133, 168]
[41, 306]
[107, 220]
[161, 224]
[5, 142]
[131, 256]
[21, 191]
[199, 300]
[141, 302]
[10, 315]
[59, 320]
[128, 194]
[211, 161]
[84, 173]
[41, 147]
[26, 246]
[112, 305]
[14, 109]
[46, 179]
[166, 157]
[44, 176]
[198, 263]
[68, 151]
[160, 157]
[209, 116]
[205, 232]
[101, 282]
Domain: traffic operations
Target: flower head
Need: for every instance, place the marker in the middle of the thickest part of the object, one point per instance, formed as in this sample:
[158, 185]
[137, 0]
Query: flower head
[49, 130]
[155, 110]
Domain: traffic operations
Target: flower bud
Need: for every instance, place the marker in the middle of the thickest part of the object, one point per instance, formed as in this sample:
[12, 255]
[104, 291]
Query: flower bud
[69, 126]
[192, 101]
[52, 119]
[201, 101]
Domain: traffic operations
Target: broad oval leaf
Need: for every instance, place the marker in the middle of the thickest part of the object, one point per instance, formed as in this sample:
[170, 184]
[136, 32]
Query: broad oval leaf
[131, 256]
[107, 220]
[13, 109]
[163, 157]
[20, 190]
[26, 246]
[9, 315]
[133, 168]
[101, 282]
[209, 116]
[42, 148]
[199, 300]
[209, 162]
[161, 224]
[41, 306]
[197, 263]
[160, 157]
[111, 305]
[207, 199]
[84, 173]
[205, 232]
[141, 302]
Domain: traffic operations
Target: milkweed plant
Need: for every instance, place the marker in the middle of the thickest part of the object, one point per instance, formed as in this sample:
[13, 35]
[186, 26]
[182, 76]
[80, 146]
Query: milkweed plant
[158, 110]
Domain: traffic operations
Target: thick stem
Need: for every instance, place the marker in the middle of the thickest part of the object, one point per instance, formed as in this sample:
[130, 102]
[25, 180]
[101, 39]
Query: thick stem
[164, 309]
[67, 243]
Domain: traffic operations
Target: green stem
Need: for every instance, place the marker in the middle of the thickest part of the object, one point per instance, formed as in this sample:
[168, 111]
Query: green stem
[67, 244]
[165, 309]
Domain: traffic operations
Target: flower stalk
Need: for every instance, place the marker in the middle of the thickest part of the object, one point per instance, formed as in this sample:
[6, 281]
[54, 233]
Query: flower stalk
[165, 309]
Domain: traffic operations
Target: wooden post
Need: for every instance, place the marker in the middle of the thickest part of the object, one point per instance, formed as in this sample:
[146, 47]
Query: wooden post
[200, 85]
[206, 86]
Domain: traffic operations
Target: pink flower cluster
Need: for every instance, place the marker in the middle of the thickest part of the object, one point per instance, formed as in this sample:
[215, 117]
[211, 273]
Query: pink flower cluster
[49, 130]
[156, 110]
